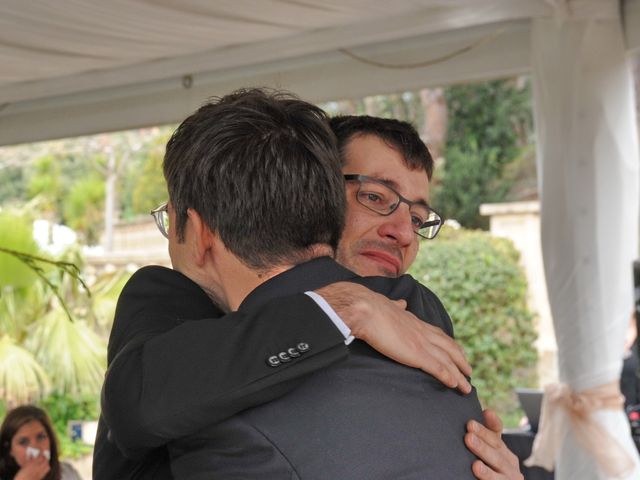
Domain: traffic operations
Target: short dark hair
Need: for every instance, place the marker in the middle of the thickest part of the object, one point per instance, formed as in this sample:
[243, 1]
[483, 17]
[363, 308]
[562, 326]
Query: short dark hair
[262, 169]
[399, 135]
[16, 419]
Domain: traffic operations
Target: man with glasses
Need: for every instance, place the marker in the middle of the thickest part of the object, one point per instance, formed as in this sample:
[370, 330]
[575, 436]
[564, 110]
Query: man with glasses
[376, 241]
[387, 171]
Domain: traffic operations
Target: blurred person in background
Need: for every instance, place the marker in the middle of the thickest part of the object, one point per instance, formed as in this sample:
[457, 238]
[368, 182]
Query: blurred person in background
[29, 447]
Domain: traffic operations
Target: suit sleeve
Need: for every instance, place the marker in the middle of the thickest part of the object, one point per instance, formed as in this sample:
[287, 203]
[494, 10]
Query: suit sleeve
[168, 379]
[418, 297]
[434, 305]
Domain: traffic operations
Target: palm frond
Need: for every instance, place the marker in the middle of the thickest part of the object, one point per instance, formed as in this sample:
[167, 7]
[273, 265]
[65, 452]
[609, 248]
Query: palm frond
[22, 378]
[72, 354]
[10, 313]
[36, 263]
[106, 291]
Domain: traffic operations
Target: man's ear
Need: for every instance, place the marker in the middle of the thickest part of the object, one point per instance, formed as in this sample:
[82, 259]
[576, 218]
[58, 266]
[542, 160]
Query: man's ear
[203, 236]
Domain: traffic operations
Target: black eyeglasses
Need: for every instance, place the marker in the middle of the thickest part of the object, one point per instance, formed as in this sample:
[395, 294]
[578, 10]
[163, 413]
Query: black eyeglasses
[381, 198]
[161, 216]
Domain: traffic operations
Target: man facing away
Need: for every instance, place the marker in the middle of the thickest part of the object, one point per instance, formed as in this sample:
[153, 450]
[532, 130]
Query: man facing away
[394, 244]
[257, 194]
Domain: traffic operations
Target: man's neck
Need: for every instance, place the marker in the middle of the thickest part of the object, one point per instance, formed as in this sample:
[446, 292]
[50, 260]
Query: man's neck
[237, 280]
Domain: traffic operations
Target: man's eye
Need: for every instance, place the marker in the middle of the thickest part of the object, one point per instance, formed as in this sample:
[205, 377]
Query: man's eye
[42, 436]
[23, 442]
[371, 197]
[417, 221]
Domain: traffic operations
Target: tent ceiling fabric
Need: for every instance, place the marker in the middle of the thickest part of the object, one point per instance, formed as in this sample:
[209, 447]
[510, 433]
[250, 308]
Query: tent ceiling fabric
[76, 59]
[45, 40]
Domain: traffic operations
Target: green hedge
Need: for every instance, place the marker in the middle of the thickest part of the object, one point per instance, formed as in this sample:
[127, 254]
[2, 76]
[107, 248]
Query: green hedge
[480, 282]
[64, 408]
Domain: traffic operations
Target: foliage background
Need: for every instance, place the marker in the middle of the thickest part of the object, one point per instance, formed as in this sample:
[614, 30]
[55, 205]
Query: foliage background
[74, 180]
[478, 279]
[479, 134]
[64, 408]
[488, 138]
[45, 358]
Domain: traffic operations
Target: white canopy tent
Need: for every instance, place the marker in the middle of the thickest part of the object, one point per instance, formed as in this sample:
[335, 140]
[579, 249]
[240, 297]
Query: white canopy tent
[74, 67]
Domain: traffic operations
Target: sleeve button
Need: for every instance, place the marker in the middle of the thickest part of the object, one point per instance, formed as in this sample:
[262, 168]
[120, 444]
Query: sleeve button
[273, 361]
[293, 352]
[284, 357]
[303, 347]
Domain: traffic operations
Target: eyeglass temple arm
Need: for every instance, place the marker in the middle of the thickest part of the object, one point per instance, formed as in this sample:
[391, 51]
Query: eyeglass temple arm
[431, 223]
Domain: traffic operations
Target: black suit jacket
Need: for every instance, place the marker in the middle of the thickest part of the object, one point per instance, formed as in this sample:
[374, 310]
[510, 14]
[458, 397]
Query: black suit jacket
[368, 417]
[171, 372]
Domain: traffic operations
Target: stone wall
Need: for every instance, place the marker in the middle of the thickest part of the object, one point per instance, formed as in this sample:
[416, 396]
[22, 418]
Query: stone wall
[135, 243]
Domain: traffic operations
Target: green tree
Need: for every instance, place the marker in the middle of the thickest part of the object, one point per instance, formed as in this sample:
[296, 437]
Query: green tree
[12, 184]
[489, 128]
[123, 155]
[45, 177]
[150, 188]
[44, 180]
[49, 172]
[83, 208]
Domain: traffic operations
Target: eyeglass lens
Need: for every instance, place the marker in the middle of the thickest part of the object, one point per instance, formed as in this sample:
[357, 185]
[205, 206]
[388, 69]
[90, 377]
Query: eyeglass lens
[161, 217]
[381, 199]
[164, 219]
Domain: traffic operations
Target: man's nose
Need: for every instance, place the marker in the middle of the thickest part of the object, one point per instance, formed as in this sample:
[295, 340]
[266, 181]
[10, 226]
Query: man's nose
[398, 226]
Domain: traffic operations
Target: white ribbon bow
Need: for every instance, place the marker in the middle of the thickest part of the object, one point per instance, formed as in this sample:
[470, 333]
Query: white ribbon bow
[561, 403]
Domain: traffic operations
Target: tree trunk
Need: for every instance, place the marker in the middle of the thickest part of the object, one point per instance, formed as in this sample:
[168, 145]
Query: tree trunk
[435, 120]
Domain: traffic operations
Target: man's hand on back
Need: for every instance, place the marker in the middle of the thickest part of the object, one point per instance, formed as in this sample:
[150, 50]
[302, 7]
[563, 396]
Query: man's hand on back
[398, 334]
[496, 462]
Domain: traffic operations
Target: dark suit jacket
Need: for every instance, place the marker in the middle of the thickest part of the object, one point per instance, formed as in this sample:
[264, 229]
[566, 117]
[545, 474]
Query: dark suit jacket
[171, 372]
[366, 418]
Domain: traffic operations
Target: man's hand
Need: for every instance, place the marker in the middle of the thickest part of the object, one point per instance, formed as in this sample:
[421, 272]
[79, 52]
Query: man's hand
[387, 327]
[496, 462]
